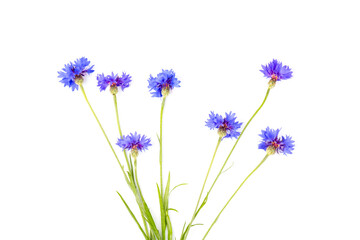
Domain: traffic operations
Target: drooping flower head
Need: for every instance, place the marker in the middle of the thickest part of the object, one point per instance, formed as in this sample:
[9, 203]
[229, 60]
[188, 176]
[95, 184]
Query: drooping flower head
[73, 73]
[272, 143]
[276, 72]
[227, 127]
[163, 83]
[134, 143]
[114, 81]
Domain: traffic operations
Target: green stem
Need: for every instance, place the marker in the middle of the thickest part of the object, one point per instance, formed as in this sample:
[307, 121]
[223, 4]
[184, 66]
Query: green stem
[224, 164]
[202, 190]
[133, 216]
[247, 124]
[118, 123]
[162, 211]
[117, 115]
[160, 140]
[266, 156]
[121, 166]
[102, 129]
[140, 196]
[207, 175]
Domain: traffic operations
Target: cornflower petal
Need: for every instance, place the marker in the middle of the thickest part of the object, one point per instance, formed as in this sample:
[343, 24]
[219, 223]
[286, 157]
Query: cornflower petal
[163, 83]
[272, 143]
[133, 142]
[71, 71]
[113, 80]
[227, 127]
[276, 71]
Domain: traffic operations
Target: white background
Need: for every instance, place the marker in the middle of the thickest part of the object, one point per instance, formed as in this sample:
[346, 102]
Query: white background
[58, 177]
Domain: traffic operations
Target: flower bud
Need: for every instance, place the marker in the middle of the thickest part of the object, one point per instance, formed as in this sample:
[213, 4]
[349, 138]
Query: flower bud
[270, 150]
[165, 91]
[272, 83]
[114, 89]
[79, 80]
[222, 132]
[134, 152]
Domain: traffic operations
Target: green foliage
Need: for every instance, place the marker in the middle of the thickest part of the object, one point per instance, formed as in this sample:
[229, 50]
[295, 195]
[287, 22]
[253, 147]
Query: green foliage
[133, 216]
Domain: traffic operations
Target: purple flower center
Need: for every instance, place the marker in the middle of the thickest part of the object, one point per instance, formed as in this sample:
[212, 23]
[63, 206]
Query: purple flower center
[80, 75]
[166, 86]
[224, 127]
[276, 144]
[134, 147]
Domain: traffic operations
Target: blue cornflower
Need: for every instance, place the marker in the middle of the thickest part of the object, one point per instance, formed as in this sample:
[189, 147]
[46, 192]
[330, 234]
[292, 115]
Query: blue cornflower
[163, 83]
[114, 81]
[134, 143]
[72, 74]
[272, 143]
[227, 127]
[276, 72]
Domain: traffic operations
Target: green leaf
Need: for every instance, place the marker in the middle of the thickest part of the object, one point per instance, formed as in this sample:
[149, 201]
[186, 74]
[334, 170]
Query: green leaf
[131, 166]
[133, 216]
[232, 164]
[202, 204]
[167, 194]
[196, 224]
[172, 209]
[158, 137]
[185, 233]
[182, 231]
[168, 221]
[166, 206]
[182, 184]
[146, 212]
[162, 212]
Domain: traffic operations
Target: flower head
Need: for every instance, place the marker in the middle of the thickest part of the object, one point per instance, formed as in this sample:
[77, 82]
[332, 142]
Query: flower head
[72, 74]
[272, 143]
[276, 72]
[114, 81]
[227, 127]
[134, 143]
[163, 83]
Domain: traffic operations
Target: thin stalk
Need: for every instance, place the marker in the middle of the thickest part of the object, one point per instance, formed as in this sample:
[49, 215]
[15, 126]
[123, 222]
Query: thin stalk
[162, 210]
[247, 124]
[117, 115]
[140, 196]
[133, 216]
[217, 217]
[207, 175]
[118, 123]
[160, 140]
[224, 164]
[102, 129]
[202, 189]
[112, 149]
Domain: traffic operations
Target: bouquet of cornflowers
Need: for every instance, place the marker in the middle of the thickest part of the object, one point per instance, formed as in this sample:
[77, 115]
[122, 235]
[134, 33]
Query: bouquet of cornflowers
[73, 75]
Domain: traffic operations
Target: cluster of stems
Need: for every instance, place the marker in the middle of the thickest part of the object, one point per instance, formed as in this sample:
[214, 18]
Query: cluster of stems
[148, 227]
[197, 209]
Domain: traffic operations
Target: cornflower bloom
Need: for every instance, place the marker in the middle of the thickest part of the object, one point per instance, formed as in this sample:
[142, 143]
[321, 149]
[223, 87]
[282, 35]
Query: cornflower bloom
[227, 127]
[134, 143]
[276, 72]
[272, 143]
[73, 74]
[163, 83]
[114, 81]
